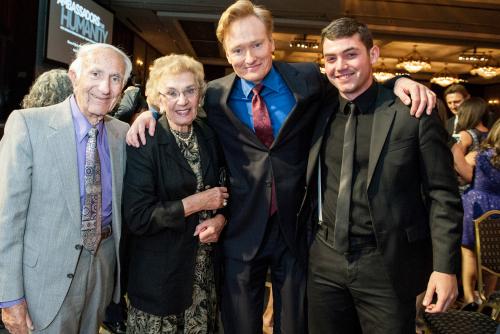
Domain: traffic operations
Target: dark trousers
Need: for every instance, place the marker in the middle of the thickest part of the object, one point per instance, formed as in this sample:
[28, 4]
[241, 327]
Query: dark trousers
[351, 293]
[244, 287]
[116, 312]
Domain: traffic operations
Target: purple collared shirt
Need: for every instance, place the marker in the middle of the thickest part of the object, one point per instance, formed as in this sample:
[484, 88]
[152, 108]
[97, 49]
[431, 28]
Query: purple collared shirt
[82, 127]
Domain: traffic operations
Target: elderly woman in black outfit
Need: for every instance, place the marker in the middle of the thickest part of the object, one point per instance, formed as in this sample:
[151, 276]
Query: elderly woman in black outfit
[171, 198]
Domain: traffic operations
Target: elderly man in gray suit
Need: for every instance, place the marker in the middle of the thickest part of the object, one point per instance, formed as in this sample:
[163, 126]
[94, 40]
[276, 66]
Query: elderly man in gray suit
[61, 171]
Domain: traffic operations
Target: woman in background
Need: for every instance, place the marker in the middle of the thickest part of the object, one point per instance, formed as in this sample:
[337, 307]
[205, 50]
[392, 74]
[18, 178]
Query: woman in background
[49, 88]
[484, 195]
[472, 115]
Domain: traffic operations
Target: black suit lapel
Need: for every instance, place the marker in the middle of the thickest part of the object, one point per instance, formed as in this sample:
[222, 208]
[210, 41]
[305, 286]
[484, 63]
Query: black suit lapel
[298, 86]
[330, 107]
[227, 84]
[383, 118]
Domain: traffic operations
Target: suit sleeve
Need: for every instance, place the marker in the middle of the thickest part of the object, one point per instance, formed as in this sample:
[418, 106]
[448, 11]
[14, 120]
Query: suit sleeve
[441, 189]
[15, 188]
[145, 213]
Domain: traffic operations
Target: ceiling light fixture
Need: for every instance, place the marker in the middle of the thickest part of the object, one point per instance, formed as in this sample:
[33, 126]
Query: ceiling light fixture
[488, 70]
[473, 57]
[381, 73]
[304, 43]
[445, 78]
[414, 62]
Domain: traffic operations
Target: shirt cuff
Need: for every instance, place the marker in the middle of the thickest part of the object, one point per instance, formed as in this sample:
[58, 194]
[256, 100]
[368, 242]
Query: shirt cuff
[11, 303]
[155, 113]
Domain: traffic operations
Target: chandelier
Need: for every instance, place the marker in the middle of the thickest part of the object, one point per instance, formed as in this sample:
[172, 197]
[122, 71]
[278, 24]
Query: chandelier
[488, 70]
[473, 57]
[403, 74]
[381, 73]
[445, 78]
[414, 62]
[304, 43]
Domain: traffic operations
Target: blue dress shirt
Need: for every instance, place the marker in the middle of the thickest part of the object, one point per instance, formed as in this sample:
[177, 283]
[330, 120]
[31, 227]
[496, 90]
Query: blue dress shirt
[276, 94]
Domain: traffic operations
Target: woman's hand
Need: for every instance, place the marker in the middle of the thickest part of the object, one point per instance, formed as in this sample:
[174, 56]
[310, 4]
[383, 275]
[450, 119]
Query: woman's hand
[210, 199]
[209, 230]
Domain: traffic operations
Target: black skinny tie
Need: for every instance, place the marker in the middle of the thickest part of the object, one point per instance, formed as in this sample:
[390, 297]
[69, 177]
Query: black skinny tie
[341, 232]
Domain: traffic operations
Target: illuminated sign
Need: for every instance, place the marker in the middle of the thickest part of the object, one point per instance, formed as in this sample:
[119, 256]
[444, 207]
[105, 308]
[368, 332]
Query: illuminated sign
[73, 23]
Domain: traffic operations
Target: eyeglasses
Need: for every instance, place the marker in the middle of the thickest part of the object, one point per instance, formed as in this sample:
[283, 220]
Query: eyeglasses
[173, 94]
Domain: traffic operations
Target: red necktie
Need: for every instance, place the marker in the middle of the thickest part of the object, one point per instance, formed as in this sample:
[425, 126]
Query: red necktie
[261, 120]
[263, 131]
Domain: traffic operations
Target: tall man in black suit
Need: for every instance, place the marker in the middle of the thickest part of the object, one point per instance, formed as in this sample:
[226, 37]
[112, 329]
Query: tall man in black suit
[390, 214]
[267, 175]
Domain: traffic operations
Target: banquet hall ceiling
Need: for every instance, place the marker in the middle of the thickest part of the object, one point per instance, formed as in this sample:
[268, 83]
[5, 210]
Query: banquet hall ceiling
[441, 29]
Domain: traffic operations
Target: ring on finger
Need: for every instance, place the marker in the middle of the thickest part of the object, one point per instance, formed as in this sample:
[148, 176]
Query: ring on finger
[224, 202]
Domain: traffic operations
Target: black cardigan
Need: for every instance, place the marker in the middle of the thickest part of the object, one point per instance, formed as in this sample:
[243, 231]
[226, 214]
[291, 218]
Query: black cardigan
[162, 248]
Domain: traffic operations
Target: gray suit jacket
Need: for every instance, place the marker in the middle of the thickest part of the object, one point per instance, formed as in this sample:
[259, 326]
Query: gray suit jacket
[40, 206]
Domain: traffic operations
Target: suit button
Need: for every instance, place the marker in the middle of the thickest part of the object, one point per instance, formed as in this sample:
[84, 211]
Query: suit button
[78, 247]
[70, 275]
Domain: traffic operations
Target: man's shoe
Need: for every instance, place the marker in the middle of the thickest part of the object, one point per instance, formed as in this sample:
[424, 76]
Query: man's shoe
[117, 327]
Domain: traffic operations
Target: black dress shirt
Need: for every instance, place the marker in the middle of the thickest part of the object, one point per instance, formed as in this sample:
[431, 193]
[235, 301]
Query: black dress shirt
[360, 224]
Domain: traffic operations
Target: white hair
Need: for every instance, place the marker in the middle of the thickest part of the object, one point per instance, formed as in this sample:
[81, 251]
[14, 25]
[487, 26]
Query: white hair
[76, 65]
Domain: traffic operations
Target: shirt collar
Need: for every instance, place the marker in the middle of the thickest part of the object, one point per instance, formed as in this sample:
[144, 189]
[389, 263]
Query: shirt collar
[364, 102]
[82, 125]
[271, 81]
